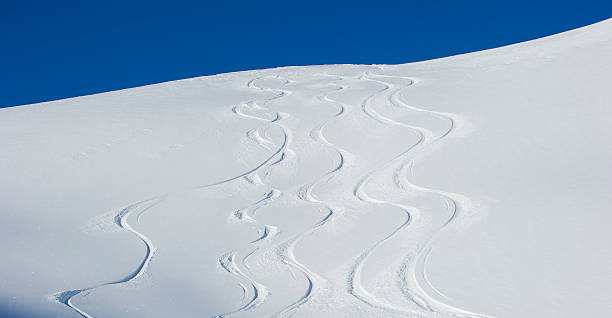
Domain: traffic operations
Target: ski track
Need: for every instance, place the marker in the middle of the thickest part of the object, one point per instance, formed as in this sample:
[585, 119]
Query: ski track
[121, 220]
[412, 269]
[453, 201]
[408, 268]
[65, 297]
[226, 261]
[354, 286]
[286, 250]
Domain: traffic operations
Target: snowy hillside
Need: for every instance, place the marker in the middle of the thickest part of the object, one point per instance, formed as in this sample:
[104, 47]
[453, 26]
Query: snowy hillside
[471, 186]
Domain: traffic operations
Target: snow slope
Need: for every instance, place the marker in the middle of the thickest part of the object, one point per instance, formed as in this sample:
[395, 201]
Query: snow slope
[471, 186]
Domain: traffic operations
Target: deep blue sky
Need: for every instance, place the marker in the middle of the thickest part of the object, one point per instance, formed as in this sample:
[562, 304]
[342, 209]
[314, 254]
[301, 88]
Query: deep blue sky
[56, 49]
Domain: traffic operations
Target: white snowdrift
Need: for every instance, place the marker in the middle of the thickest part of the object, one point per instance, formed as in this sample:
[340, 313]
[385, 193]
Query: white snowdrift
[471, 186]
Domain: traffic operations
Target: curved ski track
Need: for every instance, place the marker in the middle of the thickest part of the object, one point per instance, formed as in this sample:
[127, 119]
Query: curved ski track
[121, 218]
[354, 281]
[65, 297]
[258, 291]
[286, 249]
[408, 269]
[254, 293]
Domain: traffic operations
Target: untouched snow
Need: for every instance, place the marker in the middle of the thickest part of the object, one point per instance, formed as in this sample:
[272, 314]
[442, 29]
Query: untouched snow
[471, 186]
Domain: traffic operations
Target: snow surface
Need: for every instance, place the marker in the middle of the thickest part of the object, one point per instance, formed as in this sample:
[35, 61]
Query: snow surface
[471, 186]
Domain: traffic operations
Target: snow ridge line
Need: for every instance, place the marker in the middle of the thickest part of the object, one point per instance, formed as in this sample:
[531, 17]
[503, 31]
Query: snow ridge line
[227, 261]
[286, 250]
[121, 220]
